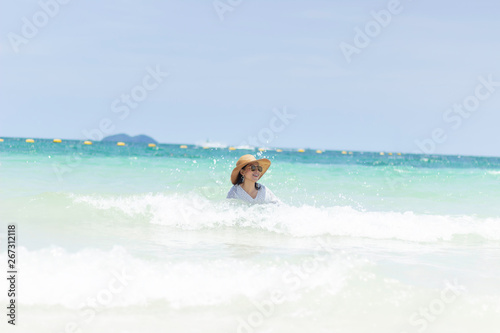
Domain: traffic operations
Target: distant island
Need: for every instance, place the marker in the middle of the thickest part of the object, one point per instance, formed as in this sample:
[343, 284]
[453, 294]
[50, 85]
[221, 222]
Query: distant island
[129, 139]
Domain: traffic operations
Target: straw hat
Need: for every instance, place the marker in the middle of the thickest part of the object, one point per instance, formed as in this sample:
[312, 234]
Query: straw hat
[244, 160]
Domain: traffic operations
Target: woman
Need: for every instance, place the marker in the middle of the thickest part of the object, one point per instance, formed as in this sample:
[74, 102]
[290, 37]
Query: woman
[244, 178]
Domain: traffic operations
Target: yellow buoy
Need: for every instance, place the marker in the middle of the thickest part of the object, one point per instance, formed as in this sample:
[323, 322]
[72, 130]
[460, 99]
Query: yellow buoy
[262, 149]
[30, 140]
[390, 154]
[399, 154]
[151, 145]
[87, 142]
[120, 143]
[350, 153]
[319, 151]
[344, 152]
[57, 140]
[184, 146]
[382, 153]
[1, 140]
[206, 147]
[232, 148]
[301, 150]
[279, 150]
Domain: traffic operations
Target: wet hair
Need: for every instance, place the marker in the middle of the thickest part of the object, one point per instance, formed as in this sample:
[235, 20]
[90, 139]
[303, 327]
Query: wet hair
[239, 179]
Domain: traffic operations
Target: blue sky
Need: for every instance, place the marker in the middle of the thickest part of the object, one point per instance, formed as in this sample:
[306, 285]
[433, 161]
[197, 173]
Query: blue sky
[226, 76]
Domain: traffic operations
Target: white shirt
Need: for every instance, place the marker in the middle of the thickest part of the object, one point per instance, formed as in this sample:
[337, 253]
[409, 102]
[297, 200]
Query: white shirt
[264, 195]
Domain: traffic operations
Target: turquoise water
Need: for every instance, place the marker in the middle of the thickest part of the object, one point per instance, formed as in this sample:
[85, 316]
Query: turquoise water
[363, 242]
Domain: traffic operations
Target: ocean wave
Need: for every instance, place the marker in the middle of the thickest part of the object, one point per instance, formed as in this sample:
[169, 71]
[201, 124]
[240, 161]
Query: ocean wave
[103, 283]
[115, 278]
[195, 212]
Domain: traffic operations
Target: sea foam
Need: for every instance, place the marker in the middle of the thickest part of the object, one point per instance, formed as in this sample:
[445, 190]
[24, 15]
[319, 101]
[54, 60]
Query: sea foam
[195, 212]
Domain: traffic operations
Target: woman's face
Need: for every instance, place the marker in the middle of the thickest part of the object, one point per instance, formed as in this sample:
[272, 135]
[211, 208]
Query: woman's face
[249, 174]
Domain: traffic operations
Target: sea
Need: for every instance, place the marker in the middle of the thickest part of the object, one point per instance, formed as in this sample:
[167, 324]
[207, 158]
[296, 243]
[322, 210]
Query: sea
[136, 238]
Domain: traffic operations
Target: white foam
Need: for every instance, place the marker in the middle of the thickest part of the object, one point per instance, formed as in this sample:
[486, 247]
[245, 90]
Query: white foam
[194, 212]
[115, 278]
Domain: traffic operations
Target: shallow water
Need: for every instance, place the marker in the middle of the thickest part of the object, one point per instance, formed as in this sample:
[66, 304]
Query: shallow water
[134, 239]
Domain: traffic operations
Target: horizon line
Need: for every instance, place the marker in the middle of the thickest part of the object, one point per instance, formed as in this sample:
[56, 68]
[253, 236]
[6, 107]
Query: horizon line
[235, 147]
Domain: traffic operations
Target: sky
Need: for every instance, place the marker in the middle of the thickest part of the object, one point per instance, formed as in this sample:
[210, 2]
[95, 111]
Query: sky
[415, 76]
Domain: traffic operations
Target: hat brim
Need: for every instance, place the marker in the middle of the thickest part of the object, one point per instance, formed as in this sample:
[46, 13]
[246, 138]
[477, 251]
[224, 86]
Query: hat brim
[263, 162]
